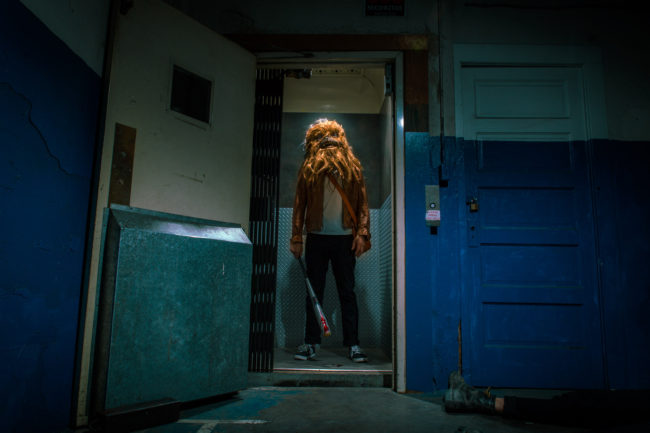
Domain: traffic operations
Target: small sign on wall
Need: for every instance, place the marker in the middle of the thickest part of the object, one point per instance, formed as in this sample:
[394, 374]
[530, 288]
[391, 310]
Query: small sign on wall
[385, 8]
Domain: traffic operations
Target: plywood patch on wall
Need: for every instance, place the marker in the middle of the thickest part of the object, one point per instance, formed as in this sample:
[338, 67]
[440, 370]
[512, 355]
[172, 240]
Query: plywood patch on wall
[122, 165]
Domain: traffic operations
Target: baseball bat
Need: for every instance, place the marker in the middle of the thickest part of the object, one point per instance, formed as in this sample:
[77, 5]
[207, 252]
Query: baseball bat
[318, 310]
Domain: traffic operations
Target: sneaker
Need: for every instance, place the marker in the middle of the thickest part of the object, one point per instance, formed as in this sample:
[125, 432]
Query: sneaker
[305, 352]
[357, 355]
[460, 397]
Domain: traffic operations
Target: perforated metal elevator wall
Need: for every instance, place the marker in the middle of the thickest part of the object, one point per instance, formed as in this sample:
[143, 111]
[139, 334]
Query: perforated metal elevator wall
[373, 288]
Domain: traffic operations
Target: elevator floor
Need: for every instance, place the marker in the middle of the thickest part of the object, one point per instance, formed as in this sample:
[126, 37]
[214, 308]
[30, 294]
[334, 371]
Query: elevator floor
[331, 367]
[332, 360]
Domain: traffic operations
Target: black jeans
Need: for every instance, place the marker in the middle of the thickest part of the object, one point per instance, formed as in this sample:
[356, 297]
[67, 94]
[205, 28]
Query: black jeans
[319, 251]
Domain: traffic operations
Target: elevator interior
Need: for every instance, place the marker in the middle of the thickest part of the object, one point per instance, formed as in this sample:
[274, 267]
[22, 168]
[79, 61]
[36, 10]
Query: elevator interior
[356, 96]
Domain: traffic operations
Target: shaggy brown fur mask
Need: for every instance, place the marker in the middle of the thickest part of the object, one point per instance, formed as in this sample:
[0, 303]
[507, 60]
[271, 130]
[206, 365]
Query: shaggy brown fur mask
[327, 150]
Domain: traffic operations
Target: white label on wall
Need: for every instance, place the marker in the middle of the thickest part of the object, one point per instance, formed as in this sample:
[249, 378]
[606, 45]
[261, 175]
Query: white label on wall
[432, 215]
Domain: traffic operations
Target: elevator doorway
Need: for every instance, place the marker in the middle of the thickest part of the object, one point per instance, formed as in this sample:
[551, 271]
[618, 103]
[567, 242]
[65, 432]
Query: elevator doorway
[360, 97]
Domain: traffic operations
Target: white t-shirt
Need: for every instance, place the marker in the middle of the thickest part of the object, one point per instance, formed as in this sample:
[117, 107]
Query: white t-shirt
[332, 211]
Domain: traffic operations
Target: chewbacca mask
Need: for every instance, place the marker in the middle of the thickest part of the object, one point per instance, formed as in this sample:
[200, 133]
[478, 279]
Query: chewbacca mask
[327, 150]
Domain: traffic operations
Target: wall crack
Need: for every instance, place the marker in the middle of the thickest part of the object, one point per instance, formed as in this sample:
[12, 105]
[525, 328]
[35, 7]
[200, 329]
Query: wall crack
[37, 129]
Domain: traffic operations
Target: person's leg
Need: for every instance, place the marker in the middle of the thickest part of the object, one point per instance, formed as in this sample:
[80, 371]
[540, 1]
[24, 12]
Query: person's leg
[548, 410]
[316, 260]
[460, 397]
[576, 408]
[498, 405]
[343, 263]
[584, 408]
[563, 409]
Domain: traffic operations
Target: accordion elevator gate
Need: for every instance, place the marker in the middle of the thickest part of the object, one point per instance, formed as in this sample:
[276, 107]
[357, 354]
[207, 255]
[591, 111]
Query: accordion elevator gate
[264, 215]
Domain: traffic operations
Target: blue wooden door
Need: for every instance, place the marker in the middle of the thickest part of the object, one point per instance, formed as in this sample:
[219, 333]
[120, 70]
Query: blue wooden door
[531, 303]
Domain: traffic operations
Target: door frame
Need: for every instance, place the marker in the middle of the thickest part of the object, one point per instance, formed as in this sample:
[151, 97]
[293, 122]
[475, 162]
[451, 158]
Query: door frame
[589, 61]
[397, 190]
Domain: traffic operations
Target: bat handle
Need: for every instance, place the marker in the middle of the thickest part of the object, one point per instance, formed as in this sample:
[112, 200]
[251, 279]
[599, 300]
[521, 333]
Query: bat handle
[326, 329]
[323, 321]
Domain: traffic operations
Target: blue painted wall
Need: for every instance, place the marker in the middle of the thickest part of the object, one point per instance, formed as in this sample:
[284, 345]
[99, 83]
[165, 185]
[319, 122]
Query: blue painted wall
[621, 188]
[421, 261]
[433, 282]
[48, 114]
[621, 181]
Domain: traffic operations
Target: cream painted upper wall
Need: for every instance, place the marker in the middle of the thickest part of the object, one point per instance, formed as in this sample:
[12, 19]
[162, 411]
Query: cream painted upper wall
[80, 24]
[307, 17]
[619, 33]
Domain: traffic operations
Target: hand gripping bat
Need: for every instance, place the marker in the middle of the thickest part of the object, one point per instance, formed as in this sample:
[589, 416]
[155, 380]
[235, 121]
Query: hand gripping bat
[318, 310]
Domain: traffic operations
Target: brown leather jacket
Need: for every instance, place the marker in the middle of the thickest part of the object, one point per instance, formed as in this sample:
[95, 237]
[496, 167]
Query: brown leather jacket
[308, 207]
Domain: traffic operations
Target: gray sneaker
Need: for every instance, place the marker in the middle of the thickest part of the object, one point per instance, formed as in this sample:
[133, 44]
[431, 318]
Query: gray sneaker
[357, 355]
[460, 397]
[305, 352]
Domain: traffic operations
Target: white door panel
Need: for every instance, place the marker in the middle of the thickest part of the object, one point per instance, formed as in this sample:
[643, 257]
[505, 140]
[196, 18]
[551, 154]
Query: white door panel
[523, 100]
[183, 166]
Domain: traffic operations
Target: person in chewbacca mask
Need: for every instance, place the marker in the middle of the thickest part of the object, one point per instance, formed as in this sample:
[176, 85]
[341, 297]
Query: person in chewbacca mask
[333, 234]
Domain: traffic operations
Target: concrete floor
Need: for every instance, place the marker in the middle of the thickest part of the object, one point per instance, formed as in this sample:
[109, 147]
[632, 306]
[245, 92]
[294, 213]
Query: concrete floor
[354, 398]
[354, 410]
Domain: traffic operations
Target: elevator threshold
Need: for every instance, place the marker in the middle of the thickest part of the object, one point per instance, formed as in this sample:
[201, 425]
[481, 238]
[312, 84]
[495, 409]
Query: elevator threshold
[331, 367]
[332, 360]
